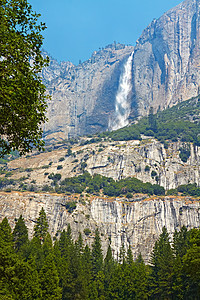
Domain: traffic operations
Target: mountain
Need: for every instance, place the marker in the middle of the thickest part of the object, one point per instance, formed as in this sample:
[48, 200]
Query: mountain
[83, 96]
[166, 68]
[165, 71]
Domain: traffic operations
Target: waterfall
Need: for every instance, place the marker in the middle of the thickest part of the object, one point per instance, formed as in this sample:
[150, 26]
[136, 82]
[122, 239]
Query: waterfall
[122, 103]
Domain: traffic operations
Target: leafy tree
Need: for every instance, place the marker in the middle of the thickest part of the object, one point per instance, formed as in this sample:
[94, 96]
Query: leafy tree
[22, 94]
[41, 227]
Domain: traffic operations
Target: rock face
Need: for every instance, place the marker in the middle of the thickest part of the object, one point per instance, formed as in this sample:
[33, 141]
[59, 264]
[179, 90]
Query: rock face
[138, 223]
[117, 160]
[83, 96]
[166, 68]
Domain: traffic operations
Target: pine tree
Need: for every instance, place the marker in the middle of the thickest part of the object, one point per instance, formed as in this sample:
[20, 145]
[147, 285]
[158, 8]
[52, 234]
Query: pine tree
[20, 234]
[181, 242]
[129, 258]
[49, 280]
[141, 282]
[41, 227]
[18, 280]
[162, 267]
[47, 245]
[97, 256]
[191, 265]
[109, 268]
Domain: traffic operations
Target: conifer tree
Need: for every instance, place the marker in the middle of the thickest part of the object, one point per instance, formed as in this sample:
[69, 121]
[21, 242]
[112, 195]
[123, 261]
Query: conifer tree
[109, 268]
[162, 267]
[47, 245]
[141, 282]
[41, 227]
[49, 280]
[17, 278]
[20, 234]
[97, 256]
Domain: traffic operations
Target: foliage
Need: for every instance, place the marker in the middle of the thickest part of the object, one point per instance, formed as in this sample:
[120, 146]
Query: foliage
[110, 187]
[184, 152]
[68, 270]
[41, 227]
[20, 234]
[87, 231]
[180, 122]
[22, 94]
[70, 206]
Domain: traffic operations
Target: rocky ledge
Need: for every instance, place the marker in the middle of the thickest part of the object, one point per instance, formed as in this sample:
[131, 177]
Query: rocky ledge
[137, 221]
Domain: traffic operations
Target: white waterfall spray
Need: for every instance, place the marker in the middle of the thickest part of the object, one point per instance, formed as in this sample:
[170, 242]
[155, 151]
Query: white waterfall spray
[122, 105]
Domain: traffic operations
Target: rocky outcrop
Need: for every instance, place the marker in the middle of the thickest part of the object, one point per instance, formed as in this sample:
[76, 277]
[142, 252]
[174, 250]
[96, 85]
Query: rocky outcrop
[83, 96]
[117, 160]
[137, 222]
[166, 68]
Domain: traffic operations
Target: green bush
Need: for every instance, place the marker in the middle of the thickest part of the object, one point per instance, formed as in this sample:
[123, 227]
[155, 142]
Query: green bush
[147, 169]
[70, 206]
[87, 231]
[129, 195]
[55, 177]
[153, 173]
[184, 152]
[61, 159]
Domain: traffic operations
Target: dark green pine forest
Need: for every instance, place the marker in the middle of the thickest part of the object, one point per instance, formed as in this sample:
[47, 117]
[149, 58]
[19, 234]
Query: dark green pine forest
[40, 268]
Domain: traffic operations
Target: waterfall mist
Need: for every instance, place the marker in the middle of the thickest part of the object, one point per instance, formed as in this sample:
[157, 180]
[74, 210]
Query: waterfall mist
[122, 103]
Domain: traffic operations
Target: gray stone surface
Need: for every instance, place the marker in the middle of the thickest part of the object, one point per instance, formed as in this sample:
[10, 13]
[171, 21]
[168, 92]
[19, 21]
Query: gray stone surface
[83, 96]
[166, 70]
[136, 221]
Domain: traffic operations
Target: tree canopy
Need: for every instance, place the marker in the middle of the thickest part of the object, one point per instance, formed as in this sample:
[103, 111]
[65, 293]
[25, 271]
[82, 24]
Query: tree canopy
[22, 94]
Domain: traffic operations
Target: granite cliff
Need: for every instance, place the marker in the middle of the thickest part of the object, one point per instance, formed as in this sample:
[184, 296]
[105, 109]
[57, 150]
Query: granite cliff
[137, 223]
[83, 96]
[166, 67]
[165, 71]
[113, 159]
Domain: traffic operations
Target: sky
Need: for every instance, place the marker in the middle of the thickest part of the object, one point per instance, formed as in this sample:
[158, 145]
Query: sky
[76, 28]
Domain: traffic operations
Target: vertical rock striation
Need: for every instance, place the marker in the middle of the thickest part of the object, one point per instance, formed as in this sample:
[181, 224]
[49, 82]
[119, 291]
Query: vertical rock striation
[166, 68]
[136, 222]
[83, 96]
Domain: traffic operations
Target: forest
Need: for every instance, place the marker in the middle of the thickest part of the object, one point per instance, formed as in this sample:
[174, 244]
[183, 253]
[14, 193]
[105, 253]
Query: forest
[180, 122]
[40, 268]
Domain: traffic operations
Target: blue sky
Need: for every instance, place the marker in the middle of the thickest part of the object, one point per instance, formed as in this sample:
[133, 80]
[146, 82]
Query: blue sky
[75, 28]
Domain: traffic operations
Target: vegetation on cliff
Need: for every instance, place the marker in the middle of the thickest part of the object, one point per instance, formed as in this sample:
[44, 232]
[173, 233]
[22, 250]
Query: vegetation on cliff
[41, 269]
[180, 122]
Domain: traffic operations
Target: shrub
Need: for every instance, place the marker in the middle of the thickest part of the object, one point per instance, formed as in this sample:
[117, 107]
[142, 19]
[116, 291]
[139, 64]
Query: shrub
[61, 159]
[55, 177]
[70, 206]
[59, 167]
[87, 231]
[28, 170]
[184, 153]
[74, 161]
[129, 195]
[153, 174]
[147, 169]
